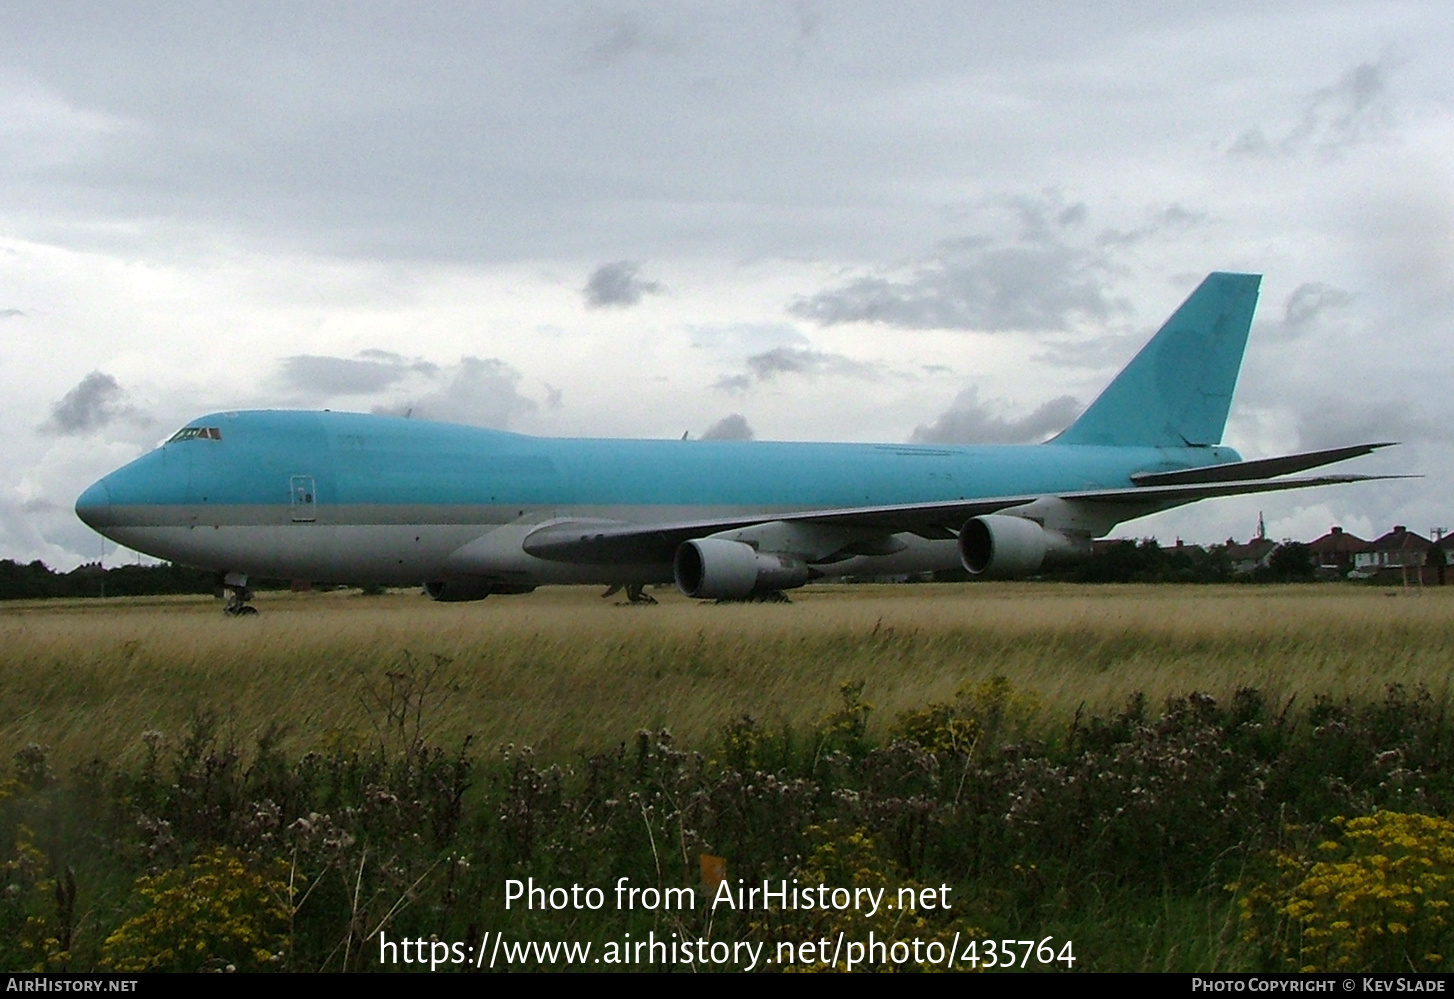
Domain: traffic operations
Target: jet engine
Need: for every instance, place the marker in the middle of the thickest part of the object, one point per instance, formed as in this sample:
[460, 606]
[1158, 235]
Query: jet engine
[997, 546]
[460, 590]
[714, 568]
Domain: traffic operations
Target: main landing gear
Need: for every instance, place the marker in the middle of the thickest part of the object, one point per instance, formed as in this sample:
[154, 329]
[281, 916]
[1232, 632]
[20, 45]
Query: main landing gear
[238, 593]
[635, 593]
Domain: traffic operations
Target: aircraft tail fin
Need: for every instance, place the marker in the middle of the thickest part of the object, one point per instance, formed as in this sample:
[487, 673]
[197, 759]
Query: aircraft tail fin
[1177, 390]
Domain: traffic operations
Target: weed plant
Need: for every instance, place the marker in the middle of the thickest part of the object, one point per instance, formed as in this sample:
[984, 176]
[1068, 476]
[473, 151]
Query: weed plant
[1119, 832]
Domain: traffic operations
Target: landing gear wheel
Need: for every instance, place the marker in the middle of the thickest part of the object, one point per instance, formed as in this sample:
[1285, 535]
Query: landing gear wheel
[237, 601]
[635, 593]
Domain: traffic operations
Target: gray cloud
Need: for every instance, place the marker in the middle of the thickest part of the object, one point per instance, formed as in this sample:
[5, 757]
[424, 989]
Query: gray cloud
[479, 391]
[1309, 301]
[617, 284]
[1073, 215]
[1173, 219]
[806, 361]
[1046, 279]
[96, 401]
[1357, 109]
[733, 383]
[729, 428]
[1031, 288]
[802, 361]
[475, 131]
[968, 421]
[320, 376]
[10, 313]
[618, 35]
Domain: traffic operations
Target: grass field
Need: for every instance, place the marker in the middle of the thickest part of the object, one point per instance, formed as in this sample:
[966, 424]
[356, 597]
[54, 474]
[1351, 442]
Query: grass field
[563, 670]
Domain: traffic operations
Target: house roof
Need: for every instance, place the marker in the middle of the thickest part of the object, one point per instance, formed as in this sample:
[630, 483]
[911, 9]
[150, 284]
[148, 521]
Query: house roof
[1400, 539]
[1256, 549]
[1338, 542]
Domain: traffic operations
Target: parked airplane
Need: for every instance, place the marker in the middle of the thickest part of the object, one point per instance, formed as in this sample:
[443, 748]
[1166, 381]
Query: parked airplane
[470, 512]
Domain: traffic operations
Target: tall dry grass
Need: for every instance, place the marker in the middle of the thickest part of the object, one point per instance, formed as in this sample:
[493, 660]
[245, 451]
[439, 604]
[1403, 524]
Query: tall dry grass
[563, 670]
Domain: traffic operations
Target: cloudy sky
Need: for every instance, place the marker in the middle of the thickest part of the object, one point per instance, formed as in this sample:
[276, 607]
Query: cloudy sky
[796, 221]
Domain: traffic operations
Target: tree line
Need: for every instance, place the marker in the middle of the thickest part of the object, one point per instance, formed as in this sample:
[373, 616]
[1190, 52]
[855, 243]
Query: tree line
[21, 581]
[1143, 561]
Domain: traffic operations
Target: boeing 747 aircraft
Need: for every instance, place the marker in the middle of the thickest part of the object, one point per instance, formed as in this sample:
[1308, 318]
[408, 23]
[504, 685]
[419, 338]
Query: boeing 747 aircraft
[468, 512]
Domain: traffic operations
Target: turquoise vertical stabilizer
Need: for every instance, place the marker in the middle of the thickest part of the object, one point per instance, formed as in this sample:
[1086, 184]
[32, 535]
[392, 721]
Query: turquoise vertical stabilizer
[1177, 390]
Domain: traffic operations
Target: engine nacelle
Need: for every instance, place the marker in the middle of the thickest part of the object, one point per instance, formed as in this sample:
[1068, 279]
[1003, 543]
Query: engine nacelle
[460, 590]
[997, 546]
[716, 569]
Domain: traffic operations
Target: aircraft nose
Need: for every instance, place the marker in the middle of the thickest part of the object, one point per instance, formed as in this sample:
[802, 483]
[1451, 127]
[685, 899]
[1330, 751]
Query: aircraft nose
[94, 506]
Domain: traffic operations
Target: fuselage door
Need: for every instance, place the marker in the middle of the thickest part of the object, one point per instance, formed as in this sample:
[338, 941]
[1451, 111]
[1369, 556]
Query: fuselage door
[303, 499]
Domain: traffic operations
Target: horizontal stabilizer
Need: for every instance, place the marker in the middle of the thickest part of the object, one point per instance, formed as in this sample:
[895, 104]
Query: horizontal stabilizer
[1261, 468]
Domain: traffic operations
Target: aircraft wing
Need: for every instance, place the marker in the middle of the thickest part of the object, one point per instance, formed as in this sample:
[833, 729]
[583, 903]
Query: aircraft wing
[596, 542]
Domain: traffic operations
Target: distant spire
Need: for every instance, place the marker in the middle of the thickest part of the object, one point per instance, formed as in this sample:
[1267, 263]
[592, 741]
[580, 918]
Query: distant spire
[1261, 527]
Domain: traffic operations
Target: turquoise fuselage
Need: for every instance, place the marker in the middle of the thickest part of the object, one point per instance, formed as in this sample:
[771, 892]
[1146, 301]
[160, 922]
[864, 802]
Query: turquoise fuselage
[359, 498]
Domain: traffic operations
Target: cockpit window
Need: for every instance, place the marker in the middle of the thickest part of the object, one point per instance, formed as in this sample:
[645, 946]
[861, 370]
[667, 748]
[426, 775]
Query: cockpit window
[195, 433]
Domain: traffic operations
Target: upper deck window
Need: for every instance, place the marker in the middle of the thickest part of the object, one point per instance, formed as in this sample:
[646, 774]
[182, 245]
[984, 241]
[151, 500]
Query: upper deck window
[196, 433]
